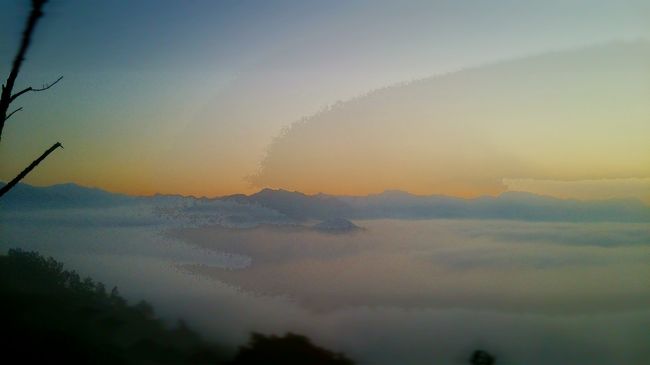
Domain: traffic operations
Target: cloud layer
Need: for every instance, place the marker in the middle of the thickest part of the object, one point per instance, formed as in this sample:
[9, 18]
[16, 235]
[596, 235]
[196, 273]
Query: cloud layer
[570, 115]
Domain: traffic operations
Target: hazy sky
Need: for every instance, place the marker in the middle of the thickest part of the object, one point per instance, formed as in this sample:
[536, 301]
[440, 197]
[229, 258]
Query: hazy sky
[185, 97]
[577, 119]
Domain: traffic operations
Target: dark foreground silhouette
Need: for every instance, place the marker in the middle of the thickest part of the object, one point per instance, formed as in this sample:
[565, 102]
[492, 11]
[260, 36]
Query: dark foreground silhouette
[52, 316]
[480, 357]
[291, 349]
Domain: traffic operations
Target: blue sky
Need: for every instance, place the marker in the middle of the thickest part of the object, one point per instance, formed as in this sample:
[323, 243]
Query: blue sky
[156, 93]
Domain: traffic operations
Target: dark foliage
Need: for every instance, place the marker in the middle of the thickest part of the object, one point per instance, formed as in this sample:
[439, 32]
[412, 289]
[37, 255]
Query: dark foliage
[480, 357]
[290, 349]
[54, 316]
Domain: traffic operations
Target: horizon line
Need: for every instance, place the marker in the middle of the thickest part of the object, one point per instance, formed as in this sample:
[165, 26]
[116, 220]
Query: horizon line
[217, 197]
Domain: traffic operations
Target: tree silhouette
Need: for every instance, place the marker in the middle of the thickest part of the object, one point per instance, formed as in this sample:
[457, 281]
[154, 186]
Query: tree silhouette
[480, 357]
[8, 96]
[290, 349]
[54, 316]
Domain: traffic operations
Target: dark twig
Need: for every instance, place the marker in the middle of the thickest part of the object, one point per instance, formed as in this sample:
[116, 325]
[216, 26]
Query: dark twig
[12, 113]
[7, 96]
[28, 169]
[45, 87]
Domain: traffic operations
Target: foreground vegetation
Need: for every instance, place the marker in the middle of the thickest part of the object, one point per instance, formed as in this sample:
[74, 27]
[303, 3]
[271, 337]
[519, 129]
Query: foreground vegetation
[51, 315]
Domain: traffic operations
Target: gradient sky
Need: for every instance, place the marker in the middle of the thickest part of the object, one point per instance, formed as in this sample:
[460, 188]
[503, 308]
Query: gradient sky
[185, 97]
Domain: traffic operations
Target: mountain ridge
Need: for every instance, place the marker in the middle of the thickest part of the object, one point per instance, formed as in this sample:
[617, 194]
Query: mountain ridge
[390, 204]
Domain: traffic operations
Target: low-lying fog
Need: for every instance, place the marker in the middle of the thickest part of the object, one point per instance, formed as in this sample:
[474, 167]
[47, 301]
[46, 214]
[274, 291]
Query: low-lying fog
[396, 292]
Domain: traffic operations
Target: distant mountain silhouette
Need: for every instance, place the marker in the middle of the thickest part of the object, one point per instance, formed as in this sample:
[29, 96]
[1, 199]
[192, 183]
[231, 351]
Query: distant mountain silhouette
[296, 205]
[24, 196]
[390, 204]
[403, 205]
[336, 225]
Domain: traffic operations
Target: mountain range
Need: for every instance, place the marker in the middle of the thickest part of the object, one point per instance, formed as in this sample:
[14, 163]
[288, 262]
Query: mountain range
[389, 204]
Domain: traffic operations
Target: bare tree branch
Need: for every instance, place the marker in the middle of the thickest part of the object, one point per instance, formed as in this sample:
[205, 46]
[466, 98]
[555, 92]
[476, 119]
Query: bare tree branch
[28, 169]
[45, 87]
[12, 113]
[7, 89]
[7, 96]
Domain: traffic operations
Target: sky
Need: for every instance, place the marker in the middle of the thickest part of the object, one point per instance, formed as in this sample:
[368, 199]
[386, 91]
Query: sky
[191, 97]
